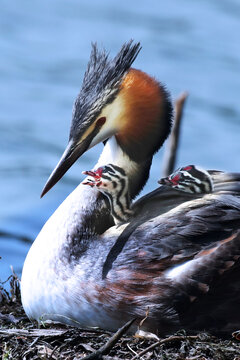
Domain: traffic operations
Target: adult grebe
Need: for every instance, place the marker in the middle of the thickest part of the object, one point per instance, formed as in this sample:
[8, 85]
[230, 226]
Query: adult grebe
[177, 259]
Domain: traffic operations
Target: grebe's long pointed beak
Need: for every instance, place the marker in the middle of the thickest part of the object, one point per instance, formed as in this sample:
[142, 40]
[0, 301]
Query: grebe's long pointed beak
[70, 155]
[73, 151]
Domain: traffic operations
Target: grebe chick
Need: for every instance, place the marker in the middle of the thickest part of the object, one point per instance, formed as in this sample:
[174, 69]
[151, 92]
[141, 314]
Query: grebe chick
[112, 181]
[190, 179]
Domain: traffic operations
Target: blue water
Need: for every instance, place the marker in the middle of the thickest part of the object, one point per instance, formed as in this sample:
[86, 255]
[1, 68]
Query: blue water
[44, 48]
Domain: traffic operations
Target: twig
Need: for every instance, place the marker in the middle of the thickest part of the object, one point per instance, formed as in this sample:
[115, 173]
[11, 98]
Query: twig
[110, 343]
[164, 341]
[133, 351]
[34, 342]
[172, 145]
[32, 333]
[54, 350]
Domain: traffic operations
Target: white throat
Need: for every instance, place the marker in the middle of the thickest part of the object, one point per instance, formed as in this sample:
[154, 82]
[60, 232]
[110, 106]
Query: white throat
[113, 154]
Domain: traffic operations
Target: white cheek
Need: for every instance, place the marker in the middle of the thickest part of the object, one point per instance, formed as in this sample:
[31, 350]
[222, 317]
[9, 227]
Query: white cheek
[103, 134]
[113, 114]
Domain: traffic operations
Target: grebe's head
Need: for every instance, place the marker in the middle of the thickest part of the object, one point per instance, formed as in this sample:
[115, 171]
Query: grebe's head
[116, 100]
[111, 180]
[190, 179]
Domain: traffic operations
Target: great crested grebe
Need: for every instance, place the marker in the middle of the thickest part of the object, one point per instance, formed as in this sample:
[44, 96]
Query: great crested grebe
[112, 181]
[191, 179]
[177, 259]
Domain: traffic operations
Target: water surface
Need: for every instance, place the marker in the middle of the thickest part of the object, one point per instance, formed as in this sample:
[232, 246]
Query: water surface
[44, 48]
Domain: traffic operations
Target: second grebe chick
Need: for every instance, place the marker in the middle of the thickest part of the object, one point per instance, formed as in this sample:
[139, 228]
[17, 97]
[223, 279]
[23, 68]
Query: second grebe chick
[190, 179]
[112, 181]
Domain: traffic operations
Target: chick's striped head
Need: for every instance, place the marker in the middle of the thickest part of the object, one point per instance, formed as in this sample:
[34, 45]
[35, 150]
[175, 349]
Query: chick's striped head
[112, 181]
[190, 179]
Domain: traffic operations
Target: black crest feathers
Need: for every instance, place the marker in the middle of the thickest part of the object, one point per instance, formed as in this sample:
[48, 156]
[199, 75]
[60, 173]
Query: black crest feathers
[101, 82]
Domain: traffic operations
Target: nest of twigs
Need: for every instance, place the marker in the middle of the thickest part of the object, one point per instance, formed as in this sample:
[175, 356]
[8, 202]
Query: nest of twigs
[22, 339]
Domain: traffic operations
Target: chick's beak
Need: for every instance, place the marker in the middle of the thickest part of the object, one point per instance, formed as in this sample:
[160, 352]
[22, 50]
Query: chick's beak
[94, 180]
[89, 173]
[164, 181]
[89, 181]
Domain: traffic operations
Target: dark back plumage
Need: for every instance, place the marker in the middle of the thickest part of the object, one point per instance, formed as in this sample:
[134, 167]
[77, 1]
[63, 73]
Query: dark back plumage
[101, 83]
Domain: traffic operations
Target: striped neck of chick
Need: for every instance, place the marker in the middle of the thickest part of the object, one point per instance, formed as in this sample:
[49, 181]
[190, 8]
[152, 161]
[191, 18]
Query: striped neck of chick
[190, 179]
[112, 182]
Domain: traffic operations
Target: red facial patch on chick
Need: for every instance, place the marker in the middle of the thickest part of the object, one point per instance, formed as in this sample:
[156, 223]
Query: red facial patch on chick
[95, 179]
[187, 168]
[98, 172]
[175, 179]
